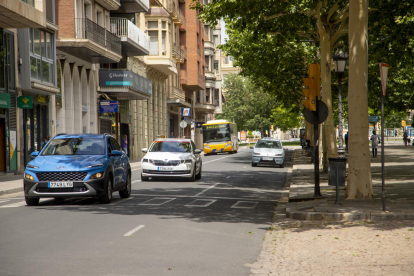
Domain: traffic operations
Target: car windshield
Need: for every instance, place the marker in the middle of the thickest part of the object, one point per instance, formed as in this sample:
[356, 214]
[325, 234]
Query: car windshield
[216, 135]
[75, 146]
[170, 146]
[268, 144]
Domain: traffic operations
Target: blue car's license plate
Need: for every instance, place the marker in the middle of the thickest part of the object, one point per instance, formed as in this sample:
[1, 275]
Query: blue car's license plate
[60, 184]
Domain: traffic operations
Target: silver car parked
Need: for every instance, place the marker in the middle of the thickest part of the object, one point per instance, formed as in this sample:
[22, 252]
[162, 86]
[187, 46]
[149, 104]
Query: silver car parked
[268, 151]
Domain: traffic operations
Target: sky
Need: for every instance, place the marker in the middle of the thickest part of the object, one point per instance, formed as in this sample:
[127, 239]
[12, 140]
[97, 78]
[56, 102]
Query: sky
[223, 32]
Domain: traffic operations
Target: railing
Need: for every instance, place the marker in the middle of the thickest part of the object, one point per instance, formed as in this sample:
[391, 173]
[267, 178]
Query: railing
[173, 10]
[87, 29]
[176, 93]
[176, 51]
[206, 36]
[124, 28]
[113, 42]
[30, 2]
[183, 25]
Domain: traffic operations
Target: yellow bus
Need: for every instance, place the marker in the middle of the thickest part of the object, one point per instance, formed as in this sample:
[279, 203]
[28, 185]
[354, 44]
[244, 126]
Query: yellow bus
[220, 136]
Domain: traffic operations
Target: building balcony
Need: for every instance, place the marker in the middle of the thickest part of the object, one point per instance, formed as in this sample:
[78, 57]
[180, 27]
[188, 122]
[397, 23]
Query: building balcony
[21, 14]
[195, 81]
[205, 108]
[176, 96]
[178, 54]
[91, 43]
[175, 12]
[124, 85]
[209, 48]
[112, 5]
[134, 41]
[135, 6]
[164, 63]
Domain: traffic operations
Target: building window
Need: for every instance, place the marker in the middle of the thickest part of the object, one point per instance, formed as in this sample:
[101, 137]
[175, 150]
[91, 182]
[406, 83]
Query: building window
[164, 51]
[216, 66]
[41, 55]
[152, 24]
[215, 40]
[153, 43]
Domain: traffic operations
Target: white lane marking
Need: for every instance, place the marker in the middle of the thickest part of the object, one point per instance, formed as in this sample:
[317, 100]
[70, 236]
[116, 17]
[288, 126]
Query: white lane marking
[17, 204]
[134, 230]
[158, 201]
[198, 203]
[207, 189]
[135, 181]
[228, 176]
[135, 169]
[215, 159]
[245, 205]
[122, 200]
[4, 200]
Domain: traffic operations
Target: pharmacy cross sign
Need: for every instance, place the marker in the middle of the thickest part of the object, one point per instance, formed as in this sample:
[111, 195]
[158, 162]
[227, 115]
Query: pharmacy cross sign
[384, 75]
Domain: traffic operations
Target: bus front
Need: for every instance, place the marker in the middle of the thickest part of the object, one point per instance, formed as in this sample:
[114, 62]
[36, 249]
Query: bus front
[217, 138]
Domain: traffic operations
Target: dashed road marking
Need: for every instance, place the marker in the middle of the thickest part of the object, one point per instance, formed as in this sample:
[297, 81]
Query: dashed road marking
[201, 203]
[245, 205]
[135, 181]
[158, 201]
[207, 189]
[17, 204]
[128, 234]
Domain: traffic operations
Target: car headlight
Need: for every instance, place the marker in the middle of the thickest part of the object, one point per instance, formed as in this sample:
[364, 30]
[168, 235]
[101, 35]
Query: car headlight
[256, 153]
[144, 160]
[207, 147]
[31, 166]
[228, 145]
[97, 175]
[95, 166]
[279, 155]
[188, 161]
[28, 176]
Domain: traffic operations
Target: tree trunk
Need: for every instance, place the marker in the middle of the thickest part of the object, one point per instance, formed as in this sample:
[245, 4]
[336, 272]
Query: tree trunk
[328, 128]
[359, 171]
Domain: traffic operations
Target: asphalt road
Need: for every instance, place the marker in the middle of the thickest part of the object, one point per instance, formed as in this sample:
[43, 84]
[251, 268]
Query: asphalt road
[213, 226]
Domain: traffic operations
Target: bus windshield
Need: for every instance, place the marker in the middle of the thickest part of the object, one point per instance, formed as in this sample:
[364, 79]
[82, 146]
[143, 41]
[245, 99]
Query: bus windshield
[221, 134]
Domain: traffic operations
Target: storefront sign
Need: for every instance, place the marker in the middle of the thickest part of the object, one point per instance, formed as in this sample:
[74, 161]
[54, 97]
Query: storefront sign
[13, 150]
[243, 135]
[41, 99]
[185, 111]
[124, 78]
[108, 106]
[373, 119]
[4, 100]
[25, 102]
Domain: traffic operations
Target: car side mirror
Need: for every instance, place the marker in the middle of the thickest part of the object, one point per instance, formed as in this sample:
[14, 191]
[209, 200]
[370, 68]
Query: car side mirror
[34, 154]
[145, 150]
[116, 153]
[197, 151]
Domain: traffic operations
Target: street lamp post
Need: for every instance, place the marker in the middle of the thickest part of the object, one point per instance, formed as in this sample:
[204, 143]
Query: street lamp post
[340, 59]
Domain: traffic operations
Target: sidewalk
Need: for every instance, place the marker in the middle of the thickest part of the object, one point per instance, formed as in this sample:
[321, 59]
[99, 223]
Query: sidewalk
[399, 190]
[10, 184]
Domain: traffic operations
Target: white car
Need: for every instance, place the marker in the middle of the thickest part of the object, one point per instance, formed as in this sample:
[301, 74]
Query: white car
[268, 151]
[170, 157]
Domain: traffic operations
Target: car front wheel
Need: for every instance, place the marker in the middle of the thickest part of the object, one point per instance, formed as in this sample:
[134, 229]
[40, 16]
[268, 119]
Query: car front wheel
[144, 178]
[193, 175]
[198, 176]
[31, 201]
[125, 193]
[254, 164]
[107, 197]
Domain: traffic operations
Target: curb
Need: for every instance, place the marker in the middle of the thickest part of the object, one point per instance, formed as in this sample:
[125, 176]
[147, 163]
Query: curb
[11, 191]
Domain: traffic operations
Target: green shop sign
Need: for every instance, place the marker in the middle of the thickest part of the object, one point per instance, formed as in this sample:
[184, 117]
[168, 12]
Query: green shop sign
[25, 102]
[5, 100]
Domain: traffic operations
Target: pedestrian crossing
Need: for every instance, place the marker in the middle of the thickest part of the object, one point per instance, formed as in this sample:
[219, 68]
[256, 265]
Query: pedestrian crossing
[140, 201]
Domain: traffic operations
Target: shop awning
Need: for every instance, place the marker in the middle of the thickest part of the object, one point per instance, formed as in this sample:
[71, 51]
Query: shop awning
[5, 101]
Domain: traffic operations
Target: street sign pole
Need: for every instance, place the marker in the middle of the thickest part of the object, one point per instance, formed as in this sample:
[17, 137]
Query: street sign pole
[316, 151]
[384, 75]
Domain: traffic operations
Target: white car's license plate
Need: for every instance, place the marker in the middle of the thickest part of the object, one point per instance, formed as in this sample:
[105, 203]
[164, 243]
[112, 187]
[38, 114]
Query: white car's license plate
[165, 168]
[267, 158]
[60, 185]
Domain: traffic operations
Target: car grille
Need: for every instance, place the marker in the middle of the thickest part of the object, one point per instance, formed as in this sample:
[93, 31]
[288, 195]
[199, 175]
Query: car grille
[166, 163]
[167, 172]
[61, 176]
[76, 189]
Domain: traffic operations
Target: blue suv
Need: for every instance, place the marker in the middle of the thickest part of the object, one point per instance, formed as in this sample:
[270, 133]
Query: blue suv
[78, 165]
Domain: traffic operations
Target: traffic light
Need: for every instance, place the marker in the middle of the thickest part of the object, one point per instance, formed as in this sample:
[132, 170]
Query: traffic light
[314, 87]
